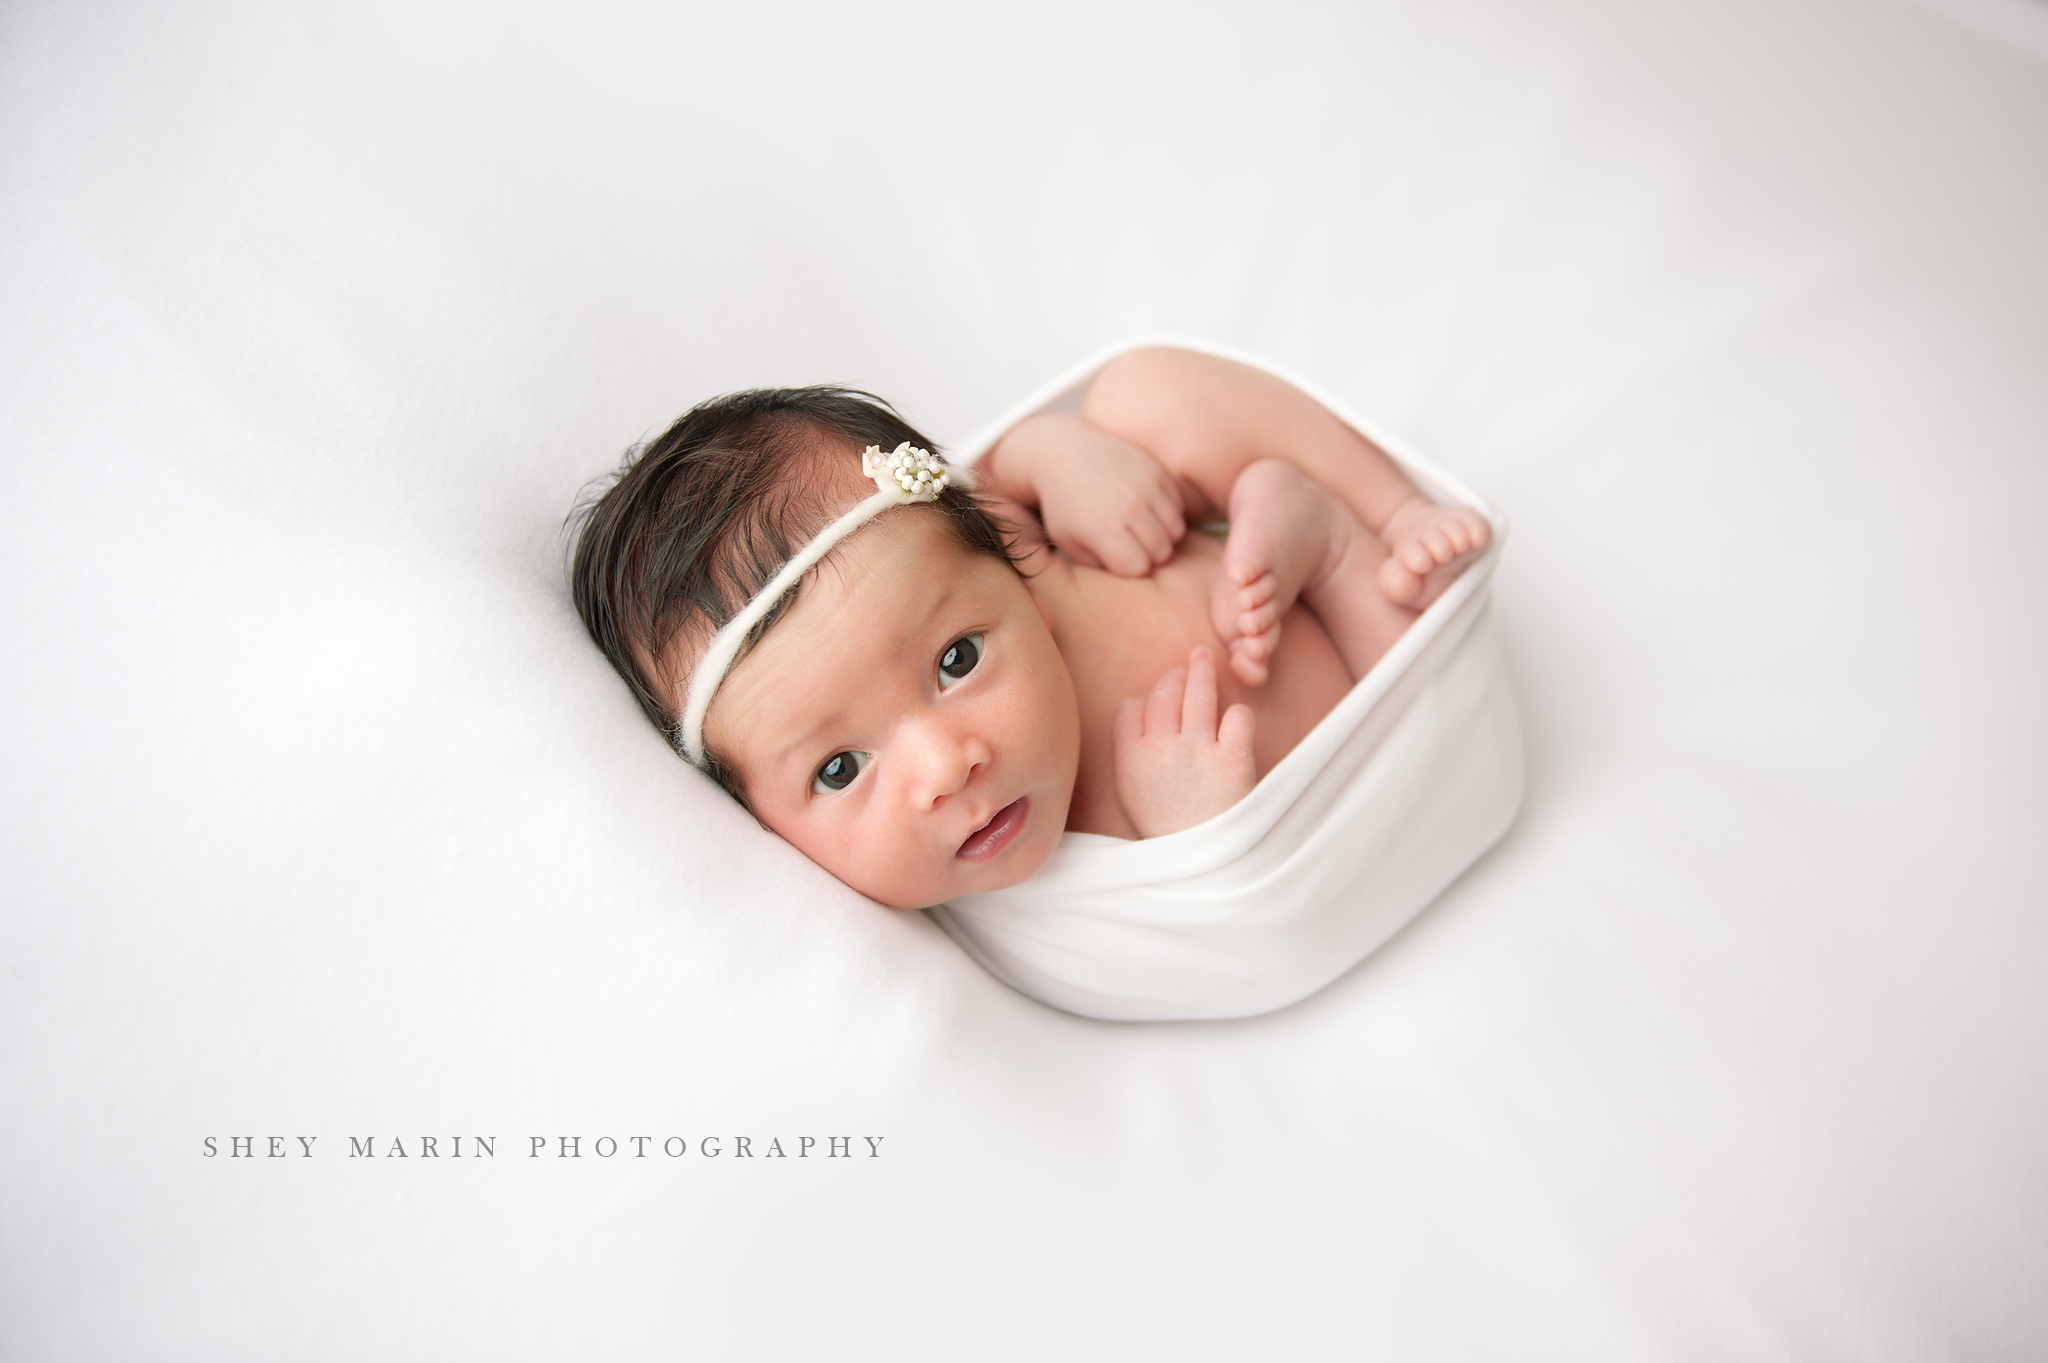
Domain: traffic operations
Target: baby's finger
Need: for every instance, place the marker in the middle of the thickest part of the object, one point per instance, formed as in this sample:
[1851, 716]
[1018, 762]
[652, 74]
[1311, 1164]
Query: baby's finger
[1167, 507]
[1078, 552]
[1150, 533]
[1129, 725]
[1198, 707]
[1162, 707]
[1234, 734]
[1123, 555]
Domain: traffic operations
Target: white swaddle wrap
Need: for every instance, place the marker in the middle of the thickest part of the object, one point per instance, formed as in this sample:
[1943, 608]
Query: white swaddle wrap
[1413, 775]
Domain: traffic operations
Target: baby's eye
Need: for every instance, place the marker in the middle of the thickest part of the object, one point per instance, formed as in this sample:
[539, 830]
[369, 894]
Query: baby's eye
[838, 772]
[959, 659]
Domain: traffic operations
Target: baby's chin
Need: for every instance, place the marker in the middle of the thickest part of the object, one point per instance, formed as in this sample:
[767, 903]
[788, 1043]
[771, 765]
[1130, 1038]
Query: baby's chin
[1015, 871]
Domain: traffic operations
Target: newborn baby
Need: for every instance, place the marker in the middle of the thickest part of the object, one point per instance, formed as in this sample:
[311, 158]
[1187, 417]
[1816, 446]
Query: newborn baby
[927, 709]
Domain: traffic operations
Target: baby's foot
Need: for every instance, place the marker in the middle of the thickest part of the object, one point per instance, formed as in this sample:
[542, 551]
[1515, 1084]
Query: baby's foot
[1281, 540]
[1427, 547]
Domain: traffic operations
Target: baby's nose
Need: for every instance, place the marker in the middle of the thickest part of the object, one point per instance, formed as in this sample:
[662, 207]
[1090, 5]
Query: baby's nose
[946, 761]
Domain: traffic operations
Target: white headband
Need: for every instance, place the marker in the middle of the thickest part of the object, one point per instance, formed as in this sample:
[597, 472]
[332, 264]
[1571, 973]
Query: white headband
[907, 475]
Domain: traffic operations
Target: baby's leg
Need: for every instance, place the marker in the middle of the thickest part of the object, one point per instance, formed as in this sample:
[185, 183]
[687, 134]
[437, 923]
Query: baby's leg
[1207, 419]
[1290, 540]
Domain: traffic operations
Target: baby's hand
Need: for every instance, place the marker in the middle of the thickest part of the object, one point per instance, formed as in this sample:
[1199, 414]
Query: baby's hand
[1107, 503]
[1175, 765]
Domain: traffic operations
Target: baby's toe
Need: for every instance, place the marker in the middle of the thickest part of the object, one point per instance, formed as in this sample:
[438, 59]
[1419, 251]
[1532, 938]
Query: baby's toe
[1397, 583]
[1259, 620]
[1245, 665]
[1245, 562]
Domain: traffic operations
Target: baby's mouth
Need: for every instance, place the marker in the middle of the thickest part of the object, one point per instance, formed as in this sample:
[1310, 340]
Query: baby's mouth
[993, 836]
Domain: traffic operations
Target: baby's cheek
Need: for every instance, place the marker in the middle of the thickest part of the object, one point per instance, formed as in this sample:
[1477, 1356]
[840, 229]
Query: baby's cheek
[884, 873]
[865, 851]
[897, 885]
[814, 837]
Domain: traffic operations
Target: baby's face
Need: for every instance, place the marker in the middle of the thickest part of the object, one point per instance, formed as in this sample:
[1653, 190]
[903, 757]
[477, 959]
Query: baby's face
[909, 724]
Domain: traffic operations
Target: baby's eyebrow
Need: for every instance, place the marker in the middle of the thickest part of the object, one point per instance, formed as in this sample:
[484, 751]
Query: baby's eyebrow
[913, 634]
[795, 740]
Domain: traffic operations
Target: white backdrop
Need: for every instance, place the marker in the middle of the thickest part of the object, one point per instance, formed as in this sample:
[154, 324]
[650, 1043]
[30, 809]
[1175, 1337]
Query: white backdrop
[321, 818]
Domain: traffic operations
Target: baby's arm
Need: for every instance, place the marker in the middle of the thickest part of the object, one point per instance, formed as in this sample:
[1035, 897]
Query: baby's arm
[1207, 419]
[1103, 500]
[1176, 764]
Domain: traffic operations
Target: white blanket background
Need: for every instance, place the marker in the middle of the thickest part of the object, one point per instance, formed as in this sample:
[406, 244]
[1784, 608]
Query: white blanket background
[321, 817]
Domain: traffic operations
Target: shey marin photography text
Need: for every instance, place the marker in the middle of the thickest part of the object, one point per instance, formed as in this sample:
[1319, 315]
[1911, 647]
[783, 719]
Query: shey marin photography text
[541, 1147]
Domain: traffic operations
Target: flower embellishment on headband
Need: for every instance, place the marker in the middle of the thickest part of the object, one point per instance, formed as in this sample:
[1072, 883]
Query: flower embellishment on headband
[918, 475]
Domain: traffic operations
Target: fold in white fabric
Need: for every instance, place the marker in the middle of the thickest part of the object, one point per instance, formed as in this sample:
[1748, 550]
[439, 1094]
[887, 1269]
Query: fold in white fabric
[1414, 774]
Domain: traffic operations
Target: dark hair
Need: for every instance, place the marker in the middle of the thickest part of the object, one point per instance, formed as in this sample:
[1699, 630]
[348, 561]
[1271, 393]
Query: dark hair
[697, 520]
